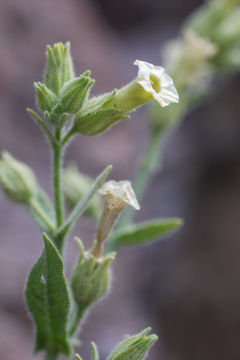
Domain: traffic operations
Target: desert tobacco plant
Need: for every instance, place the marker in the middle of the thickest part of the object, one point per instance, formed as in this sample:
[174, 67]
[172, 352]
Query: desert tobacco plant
[208, 46]
[65, 110]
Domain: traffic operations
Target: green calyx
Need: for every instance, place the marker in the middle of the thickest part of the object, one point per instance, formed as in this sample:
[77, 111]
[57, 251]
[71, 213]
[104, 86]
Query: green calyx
[90, 281]
[135, 347]
[101, 112]
[74, 94]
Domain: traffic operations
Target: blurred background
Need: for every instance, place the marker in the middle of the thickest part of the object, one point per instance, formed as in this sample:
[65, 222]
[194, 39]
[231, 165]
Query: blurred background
[186, 287]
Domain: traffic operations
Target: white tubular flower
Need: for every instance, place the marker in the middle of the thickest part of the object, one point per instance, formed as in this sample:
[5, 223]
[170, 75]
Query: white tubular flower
[156, 82]
[121, 190]
[118, 195]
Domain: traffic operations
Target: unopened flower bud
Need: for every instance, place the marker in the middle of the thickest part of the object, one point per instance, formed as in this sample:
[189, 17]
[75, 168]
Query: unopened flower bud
[59, 69]
[75, 93]
[117, 196]
[135, 347]
[46, 99]
[17, 179]
[90, 279]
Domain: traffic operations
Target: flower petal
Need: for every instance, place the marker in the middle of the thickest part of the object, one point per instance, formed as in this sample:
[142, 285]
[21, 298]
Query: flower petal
[155, 81]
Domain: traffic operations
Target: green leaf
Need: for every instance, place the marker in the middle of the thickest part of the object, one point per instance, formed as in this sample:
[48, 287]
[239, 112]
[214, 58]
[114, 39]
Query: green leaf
[44, 204]
[145, 232]
[135, 347]
[82, 205]
[95, 354]
[48, 301]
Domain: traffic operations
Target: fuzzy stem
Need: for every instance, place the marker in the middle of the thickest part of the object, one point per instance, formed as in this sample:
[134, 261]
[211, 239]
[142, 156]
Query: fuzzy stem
[57, 163]
[78, 318]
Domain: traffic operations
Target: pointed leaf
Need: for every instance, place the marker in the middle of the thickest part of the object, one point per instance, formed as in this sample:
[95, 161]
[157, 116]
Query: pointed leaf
[46, 207]
[82, 205]
[146, 231]
[48, 301]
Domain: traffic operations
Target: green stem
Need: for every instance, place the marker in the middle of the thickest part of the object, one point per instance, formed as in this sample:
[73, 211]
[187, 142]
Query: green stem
[78, 318]
[57, 163]
[41, 215]
[51, 356]
[68, 135]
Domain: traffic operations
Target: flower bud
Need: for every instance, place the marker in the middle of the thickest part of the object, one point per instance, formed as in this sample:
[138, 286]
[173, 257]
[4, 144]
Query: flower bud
[75, 185]
[46, 99]
[17, 179]
[59, 69]
[99, 113]
[90, 279]
[74, 94]
[135, 347]
[118, 195]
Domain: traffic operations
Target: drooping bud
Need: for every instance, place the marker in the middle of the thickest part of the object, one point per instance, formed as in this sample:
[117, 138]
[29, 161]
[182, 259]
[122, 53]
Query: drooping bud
[46, 99]
[75, 185]
[75, 93]
[17, 179]
[99, 113]
[59, 69]
[90, 279]
[135, 347]
[118, 195]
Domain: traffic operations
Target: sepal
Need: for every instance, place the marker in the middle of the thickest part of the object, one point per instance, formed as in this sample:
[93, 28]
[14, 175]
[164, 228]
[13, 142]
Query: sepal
[46, 99]
[75, 93]
[135, 347]
[91, 277]
[98, 121]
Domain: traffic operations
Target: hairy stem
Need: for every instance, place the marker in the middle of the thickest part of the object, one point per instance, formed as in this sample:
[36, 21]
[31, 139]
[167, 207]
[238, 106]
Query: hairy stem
[57, 163]
[77, 319]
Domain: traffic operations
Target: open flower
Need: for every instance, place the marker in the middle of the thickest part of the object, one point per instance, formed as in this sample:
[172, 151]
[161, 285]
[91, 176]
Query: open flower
[118, 195]
[156, 82]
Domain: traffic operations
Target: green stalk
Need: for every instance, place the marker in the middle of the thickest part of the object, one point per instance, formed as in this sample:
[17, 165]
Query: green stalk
[78, 317]
[57, 163]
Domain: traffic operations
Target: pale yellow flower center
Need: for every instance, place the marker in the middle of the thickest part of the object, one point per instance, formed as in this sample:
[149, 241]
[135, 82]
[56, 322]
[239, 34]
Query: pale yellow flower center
[155, 82]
